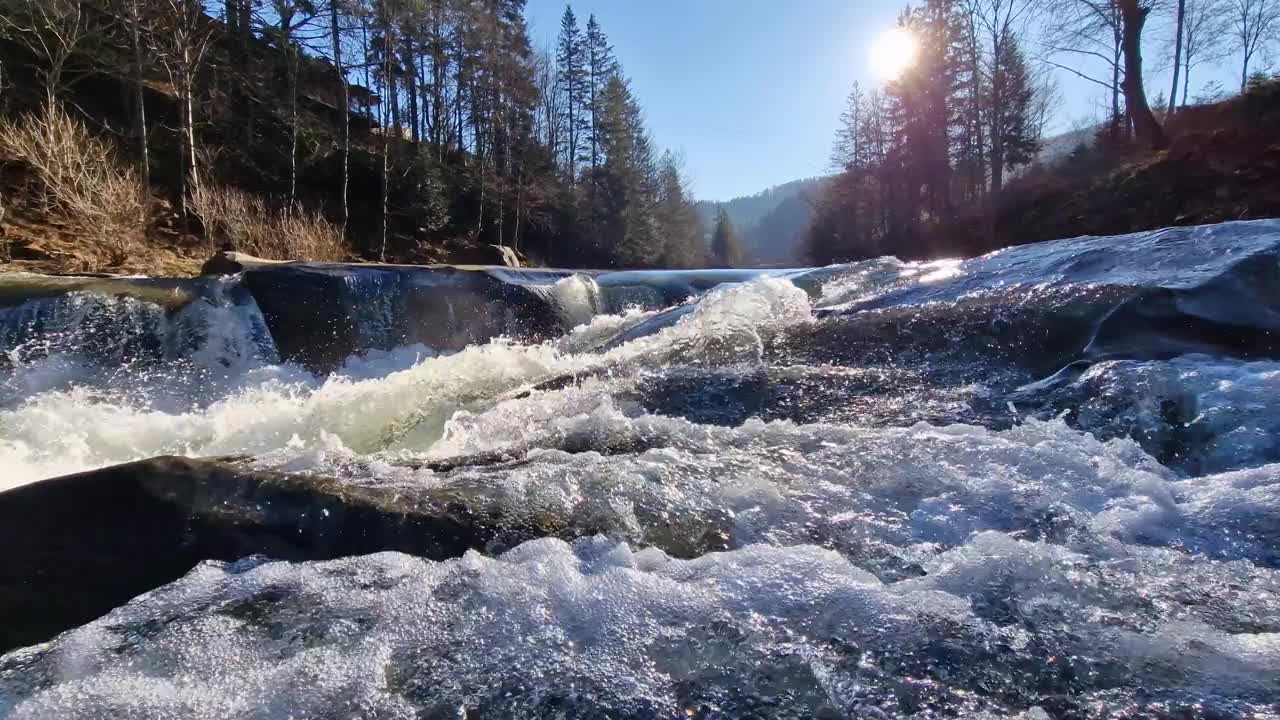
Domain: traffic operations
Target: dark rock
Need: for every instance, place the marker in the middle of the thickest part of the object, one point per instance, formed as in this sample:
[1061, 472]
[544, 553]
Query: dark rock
[309, 314]
[229, 262]
[320, 314]
[24, 250]
[78, 546]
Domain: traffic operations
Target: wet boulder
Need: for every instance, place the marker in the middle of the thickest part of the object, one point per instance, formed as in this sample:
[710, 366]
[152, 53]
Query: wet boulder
[80, 545]
[319, 314]
[230, 262]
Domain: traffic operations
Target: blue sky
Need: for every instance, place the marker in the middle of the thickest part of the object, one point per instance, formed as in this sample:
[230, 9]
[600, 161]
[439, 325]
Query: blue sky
[751, 90]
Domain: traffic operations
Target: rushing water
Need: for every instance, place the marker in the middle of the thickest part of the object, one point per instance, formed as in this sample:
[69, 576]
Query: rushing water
[1042, 483]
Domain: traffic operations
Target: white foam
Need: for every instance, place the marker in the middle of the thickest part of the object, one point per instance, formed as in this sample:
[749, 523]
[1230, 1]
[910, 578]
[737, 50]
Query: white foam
[374, 406]
[597, 628]
[1208, 414]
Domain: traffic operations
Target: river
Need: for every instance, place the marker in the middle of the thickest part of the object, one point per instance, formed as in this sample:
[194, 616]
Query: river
[1040, 483]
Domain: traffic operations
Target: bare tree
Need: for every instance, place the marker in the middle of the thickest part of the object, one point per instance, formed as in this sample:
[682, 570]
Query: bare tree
[1254, 23]
[1179, 33]
[1145, 125]
[1204, 32]
[550, 112]
[1109, 31]
[1088, 30]
[388, 105]
[975, 142]
[1046, 100]
[998, 23]
[287, 26]
[134, 15]
[344, 106]
[51, 30]
[180, 38]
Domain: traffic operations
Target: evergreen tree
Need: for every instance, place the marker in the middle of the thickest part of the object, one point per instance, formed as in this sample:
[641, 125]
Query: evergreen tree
[571, 83]
[626, 180]
[1011, 118]
[726, 248]
[678, 226]
[426, 123]
[601, 66]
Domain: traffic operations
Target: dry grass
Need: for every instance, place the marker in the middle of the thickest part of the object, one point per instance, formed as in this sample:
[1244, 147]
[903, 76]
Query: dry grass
[245, 223]
[81, 180]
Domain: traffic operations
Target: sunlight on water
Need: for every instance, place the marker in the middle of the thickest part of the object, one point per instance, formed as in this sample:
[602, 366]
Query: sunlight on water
[863, 498]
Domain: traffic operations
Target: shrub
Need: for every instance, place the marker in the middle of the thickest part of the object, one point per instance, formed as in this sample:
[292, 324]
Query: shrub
[81, 179]
[235, 219]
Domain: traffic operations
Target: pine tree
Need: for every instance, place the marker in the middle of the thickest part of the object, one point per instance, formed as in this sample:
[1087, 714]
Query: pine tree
[625, 181]
[460, 133]
[726, 248]
[917, 171]
[571, 83]
[1012, 132]
[678, 224]
[601, 66]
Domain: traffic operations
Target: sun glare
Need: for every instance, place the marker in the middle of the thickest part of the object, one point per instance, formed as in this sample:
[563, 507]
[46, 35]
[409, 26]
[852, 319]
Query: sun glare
[893, 52]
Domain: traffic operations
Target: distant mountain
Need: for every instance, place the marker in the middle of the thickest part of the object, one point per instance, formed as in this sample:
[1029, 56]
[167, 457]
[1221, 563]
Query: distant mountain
[771, 223]
[1056, 148]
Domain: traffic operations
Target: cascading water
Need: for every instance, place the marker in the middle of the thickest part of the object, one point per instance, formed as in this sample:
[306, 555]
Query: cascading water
[1041, 483]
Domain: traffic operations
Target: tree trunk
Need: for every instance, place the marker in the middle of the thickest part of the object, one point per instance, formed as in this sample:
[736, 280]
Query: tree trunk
[1114, 130]
[411, 88]
[980, 156]
[344, 105]
[386, 129]
[480, 215]
[1177, 54]
[1145, 126]
[293, 129]
[242, 65]
[393, 89]
[289, 62]
[140, 111]
[190, 134]
[190, 180]
[424, 109]
[997, 132]
[1186, 80]
[368, 82]
[515, 234]
[438, 70]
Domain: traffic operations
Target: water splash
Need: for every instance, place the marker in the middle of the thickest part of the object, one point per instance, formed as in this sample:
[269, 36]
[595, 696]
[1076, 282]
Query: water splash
[1072, 534]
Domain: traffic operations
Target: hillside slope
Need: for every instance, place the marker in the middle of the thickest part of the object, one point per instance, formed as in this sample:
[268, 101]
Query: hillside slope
[1222, 163]
[771, 222]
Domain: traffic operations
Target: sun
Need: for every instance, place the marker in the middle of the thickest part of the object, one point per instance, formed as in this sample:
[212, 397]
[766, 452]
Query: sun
[893, 52]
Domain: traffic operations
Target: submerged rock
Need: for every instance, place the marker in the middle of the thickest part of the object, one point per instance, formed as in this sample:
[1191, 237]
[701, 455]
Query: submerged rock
[80, 545]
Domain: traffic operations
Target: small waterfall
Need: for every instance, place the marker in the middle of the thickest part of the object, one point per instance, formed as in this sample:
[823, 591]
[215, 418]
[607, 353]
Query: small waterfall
[106, 339]
[376, 303]
[223, 329]
[574, 299]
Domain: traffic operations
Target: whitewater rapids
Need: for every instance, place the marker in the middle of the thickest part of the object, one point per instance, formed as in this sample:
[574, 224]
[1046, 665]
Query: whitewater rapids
[877, 491]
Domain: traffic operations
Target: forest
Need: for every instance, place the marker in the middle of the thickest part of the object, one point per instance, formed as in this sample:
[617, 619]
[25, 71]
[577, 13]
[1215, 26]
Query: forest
[388, 130]
[431, 131]
[939, 161]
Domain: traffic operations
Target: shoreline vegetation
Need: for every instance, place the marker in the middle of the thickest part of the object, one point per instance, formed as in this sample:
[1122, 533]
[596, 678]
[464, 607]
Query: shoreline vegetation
[142, 137]
[353, 130]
